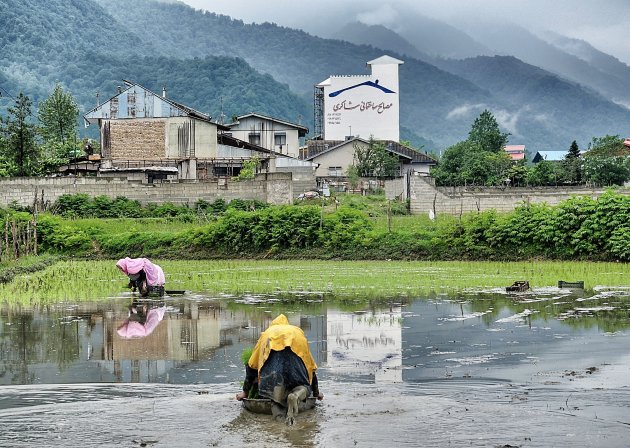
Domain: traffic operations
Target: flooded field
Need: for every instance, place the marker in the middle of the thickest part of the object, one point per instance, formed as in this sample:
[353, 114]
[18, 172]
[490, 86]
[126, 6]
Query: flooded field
[548, 367]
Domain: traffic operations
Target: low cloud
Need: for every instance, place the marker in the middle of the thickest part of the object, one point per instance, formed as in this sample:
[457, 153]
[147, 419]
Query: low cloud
[385, 15]
[463, 110]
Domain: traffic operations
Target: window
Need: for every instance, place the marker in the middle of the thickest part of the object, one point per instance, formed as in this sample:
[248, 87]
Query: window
[335, 171]
[131, 104]
[280, 139]
[254, 139]
[113, 108]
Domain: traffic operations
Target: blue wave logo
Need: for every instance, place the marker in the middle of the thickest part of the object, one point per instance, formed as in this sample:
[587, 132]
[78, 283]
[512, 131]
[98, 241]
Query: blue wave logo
[374, 84]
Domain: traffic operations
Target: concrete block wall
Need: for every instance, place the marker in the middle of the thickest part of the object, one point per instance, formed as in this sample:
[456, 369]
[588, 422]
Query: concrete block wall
[272, 188]
[424, 196]
[303, 179]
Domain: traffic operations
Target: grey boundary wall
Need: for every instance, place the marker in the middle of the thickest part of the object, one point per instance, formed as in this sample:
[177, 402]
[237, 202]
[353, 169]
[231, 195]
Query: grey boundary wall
[275, 188]
[425, 197]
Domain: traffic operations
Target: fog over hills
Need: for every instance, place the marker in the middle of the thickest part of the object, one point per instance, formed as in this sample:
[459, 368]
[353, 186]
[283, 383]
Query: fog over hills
[219, 64]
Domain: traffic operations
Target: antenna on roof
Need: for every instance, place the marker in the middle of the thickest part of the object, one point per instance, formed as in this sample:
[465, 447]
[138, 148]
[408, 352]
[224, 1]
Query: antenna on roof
[221, 115]
[98, 101]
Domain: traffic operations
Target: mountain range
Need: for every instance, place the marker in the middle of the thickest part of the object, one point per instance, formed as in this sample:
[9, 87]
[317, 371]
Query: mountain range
[225, 67]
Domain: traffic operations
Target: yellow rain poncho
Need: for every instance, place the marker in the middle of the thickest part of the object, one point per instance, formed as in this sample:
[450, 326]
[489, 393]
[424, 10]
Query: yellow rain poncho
[278, 336]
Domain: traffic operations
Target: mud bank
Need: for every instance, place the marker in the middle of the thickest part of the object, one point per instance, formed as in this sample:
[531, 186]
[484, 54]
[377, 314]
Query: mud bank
[457, 413]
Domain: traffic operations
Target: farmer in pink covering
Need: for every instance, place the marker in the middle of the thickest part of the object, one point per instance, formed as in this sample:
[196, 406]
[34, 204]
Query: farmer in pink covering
[142, 274]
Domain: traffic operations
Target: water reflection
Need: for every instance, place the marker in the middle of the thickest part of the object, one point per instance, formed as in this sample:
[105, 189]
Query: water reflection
[366, 343]
[199, 339]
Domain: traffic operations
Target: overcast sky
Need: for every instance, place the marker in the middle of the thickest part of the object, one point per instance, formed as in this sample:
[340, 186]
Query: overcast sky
[605, 24]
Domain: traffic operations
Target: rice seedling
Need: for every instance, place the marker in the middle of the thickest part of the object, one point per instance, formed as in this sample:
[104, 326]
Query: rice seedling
[363, 280]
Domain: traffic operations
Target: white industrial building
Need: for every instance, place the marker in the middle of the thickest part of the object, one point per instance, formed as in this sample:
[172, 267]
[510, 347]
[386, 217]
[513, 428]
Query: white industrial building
[360, 105]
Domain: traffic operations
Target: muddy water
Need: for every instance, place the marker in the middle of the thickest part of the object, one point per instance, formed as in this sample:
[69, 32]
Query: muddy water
[547, 368]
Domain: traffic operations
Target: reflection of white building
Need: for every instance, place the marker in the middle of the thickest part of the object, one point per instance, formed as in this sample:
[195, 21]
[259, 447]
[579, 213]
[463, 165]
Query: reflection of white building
[366, 344]
[360, 105]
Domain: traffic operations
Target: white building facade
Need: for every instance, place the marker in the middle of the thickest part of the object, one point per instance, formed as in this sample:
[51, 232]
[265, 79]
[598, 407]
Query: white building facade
[270, 133]
[362, 105]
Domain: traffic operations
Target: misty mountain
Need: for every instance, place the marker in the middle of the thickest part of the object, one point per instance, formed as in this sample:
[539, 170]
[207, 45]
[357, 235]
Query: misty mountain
[302, 60]
[586, 52]
[510, 39]
[378, 36]
[541, 104]
[217, 64]
[436, 38]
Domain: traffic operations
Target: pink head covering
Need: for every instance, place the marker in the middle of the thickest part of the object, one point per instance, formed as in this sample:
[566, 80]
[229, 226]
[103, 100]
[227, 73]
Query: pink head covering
[155, 274]
[132, 329]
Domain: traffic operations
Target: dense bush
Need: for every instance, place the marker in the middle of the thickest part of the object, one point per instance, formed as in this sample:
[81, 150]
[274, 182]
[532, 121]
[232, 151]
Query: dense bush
[578, 228]
[83, 206]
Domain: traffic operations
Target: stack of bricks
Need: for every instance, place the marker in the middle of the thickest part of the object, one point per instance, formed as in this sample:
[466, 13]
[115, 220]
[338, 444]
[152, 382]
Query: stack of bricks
[138, 139]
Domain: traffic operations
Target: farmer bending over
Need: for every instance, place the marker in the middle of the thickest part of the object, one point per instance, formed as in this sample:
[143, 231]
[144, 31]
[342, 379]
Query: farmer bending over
[142, 274]
[284, 367]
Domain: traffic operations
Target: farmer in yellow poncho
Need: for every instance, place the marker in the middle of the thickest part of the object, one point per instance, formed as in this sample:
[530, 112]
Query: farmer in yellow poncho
[283, 366]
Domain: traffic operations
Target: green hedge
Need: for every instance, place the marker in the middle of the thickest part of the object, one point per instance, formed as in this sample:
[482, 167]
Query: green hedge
[578, 228]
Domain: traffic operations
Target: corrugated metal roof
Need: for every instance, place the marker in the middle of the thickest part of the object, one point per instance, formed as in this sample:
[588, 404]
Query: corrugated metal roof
[319, 147]
[302, 130]
[552, 156]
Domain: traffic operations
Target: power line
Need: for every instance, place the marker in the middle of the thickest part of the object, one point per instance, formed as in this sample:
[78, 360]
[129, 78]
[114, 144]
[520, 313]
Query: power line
[6, 91]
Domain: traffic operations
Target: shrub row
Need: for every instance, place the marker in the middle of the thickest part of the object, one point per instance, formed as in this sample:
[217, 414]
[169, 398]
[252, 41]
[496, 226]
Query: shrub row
[578, 228]
[84, 206]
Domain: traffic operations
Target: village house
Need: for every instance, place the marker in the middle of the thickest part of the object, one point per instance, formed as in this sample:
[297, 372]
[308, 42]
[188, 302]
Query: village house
[335, 157]
[270, 133]
[516, 152]
[149, 137]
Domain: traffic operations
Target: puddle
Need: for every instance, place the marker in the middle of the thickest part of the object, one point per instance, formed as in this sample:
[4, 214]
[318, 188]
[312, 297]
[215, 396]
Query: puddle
[491, 370]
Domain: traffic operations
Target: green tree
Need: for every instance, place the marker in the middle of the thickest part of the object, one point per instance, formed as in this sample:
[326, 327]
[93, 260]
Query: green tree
[607, 146]
[572, 165]
[353, 176]
[20, 150]
[467, 163]
[374, 160]
[249, 168]
[574, 151]
[543, 173]
[517, 174]
[58, 116]
[485, 131]
[604, 171]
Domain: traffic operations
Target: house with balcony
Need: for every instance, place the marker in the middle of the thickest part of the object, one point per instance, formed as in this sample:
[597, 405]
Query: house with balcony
[150, 138]
[270, 133]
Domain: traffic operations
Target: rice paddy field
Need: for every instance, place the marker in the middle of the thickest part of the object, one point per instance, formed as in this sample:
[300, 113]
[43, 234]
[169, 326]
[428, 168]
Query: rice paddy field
[436, 353]
[88, 280]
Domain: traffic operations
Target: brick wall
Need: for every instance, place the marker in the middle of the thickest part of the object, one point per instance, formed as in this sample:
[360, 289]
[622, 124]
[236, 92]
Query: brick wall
[138, 139]
[273, 188]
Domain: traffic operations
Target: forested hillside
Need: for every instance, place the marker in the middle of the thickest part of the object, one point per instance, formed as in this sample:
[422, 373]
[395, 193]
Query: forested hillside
[217, 64]
[79, 44]
[538, 97]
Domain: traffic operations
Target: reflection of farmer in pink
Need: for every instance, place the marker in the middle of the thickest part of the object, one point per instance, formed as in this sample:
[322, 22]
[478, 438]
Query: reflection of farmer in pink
[133, 328]
[142, 274]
